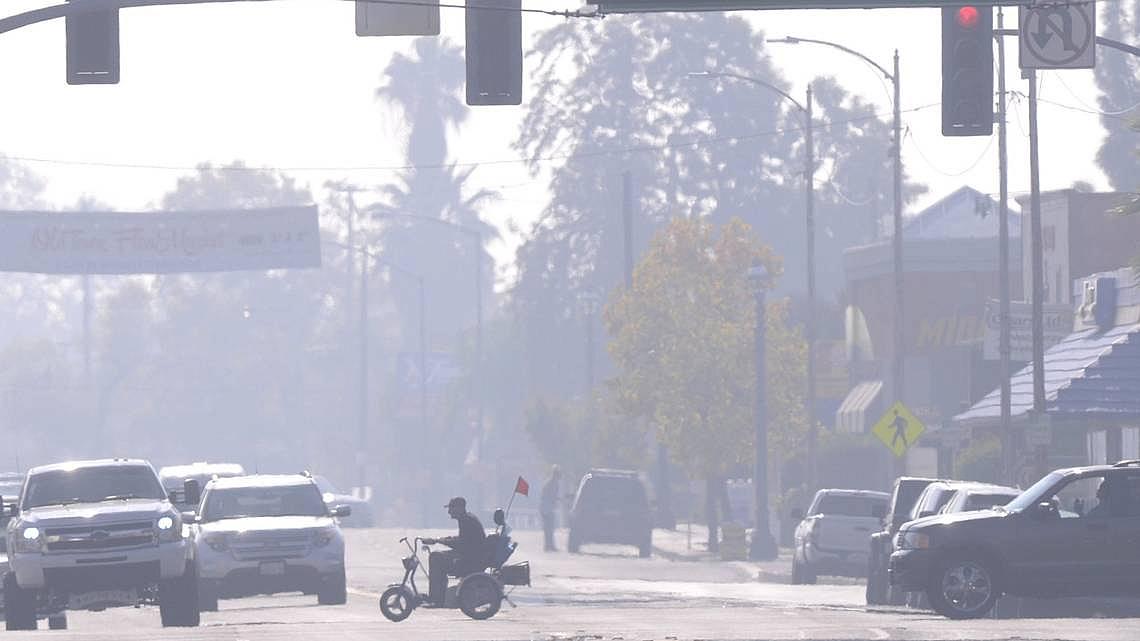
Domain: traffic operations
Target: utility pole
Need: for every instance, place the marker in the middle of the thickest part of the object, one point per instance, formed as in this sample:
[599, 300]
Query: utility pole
[423, 356]
[899, 361]
[1008, 443]
[809, 194]
[1037, 258]
[362, 434]
[87, 330]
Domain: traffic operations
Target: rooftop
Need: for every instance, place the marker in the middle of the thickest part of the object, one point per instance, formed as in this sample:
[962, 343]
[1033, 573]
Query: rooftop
[69, 466]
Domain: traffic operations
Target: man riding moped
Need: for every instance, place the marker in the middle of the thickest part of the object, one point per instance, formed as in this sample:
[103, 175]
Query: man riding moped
[466, 556]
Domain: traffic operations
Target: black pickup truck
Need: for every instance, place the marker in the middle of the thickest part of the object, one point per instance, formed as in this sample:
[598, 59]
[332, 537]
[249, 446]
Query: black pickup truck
[1076, 532]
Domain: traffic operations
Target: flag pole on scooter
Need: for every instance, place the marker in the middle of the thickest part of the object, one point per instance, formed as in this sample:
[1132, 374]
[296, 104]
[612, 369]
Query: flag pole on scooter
[521, 487]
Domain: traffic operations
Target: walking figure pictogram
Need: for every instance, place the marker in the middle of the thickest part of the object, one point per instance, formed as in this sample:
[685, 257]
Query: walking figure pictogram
[900, 424]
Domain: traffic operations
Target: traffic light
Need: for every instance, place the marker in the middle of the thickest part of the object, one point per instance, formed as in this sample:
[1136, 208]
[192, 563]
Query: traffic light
[93, 47]
[494, 52]
[967, 70]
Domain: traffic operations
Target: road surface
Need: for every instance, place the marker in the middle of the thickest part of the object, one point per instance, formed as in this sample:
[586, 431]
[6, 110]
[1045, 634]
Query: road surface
[605, 594]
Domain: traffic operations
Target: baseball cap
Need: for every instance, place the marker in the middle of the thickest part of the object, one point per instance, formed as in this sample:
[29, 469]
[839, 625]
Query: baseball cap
[457, 502]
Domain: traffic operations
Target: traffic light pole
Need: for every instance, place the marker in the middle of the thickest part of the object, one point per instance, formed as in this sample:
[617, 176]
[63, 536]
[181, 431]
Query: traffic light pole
[1009, 444]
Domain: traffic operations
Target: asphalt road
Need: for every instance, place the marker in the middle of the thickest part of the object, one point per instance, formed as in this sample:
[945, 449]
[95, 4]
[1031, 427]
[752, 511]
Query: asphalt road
[604, 594]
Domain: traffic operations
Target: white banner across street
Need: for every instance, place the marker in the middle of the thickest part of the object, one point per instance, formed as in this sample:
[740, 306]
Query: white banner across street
[159, 242]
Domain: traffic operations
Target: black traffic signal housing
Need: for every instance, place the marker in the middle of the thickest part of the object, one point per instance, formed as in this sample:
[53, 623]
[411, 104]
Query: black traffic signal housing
[967, 70]
[494, 52]
[93, 47]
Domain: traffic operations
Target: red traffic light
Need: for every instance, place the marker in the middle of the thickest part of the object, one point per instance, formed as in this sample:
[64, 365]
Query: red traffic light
[968, 17]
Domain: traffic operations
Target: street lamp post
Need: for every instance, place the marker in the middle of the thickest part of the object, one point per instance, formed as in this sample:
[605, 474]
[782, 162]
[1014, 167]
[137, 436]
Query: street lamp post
[363, 374]
[809, 216]
[477, 238]
[899, 361]
[763, 546]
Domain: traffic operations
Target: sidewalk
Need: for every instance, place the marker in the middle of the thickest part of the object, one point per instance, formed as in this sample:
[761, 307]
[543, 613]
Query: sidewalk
[690, 543]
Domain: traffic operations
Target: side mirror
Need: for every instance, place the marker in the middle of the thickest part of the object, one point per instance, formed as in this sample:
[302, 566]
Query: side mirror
[797, 514]
[189, 518]
[192, 490]
[500, 517]
[341, 511]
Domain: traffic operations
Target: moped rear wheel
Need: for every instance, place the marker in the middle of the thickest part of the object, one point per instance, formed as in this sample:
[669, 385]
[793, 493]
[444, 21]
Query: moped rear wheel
[397, 603]
[480, 596]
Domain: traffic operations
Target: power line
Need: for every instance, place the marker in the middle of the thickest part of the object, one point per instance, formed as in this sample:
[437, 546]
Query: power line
[448, 166]
[1091, 108]
[936, 168]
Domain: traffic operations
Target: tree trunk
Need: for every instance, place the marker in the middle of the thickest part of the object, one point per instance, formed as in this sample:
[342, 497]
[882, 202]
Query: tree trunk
[712, 486]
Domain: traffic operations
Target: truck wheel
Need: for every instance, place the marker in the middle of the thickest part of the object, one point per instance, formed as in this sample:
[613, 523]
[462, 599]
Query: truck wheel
[178, 600]
[57, 621]
[333, 590]
[876, 578]
[19, 605]
[397, 603]
[480, 596]
[963, 588]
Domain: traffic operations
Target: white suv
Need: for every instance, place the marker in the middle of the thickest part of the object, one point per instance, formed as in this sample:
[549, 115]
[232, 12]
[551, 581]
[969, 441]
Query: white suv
[88, 535]
[267, 534]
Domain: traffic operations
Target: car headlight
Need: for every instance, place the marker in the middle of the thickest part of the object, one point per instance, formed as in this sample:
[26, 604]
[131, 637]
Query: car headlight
[28, 539]
[908, 540]
[324, 536]
[169, 528]
[217, 542]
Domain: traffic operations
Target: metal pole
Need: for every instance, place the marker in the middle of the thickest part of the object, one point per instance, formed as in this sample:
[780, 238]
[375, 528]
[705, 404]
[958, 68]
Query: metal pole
[362, 436]
[86, 329]
[763, 546]
[1009, 445]
[627, 225]
[809, 193]
[423, 356]
[1036, 239]
[479, 342]
[899, 361]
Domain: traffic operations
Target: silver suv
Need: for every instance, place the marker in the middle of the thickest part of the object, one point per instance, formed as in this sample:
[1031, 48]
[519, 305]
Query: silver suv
[88, 535]
[267, 534]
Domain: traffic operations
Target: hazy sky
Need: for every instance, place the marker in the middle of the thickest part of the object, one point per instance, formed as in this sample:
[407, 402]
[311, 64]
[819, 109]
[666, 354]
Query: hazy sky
[288, 84]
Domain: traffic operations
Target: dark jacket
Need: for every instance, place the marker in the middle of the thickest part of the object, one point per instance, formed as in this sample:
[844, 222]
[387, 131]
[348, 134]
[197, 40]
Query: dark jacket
[470, 542]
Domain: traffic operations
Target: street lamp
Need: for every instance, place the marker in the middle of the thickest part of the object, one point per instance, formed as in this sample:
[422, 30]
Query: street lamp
[763, 546]
[809, 219]
[365, 271]
[379, 211]
[897, 240]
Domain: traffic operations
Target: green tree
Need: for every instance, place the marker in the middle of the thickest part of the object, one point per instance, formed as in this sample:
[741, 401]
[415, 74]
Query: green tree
[1116, 77]
[683, 345]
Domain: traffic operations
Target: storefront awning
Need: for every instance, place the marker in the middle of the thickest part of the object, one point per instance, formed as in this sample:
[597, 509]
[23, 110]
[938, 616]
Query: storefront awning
[1089, 372]
[856, 413]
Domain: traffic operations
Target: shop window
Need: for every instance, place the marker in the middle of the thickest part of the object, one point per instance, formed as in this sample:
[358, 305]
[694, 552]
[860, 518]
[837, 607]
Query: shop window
[1130, 443]
[1098, 447]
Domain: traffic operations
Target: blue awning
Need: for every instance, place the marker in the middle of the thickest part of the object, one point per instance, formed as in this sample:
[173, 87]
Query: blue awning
[1089, 372]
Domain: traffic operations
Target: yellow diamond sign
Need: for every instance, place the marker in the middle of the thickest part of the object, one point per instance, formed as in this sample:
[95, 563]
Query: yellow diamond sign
[898, 429]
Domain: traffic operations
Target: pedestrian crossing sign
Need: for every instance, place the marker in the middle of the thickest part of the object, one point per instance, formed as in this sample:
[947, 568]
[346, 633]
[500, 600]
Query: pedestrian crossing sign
[898, 429]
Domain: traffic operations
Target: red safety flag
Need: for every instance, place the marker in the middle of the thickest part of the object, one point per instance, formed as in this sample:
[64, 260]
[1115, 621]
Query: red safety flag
[522, 487]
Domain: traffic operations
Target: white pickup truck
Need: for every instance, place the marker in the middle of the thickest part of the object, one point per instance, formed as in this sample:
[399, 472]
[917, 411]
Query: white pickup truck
[832, 538]
[89, 535]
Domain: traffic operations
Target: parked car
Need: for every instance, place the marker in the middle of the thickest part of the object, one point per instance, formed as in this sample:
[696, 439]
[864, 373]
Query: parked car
[905, 495]
[361, 509]
[174, 478]
[1030, 547]
[11, 484]
[91, 535]
[979, 496]
[267, 534]
[611, 506]
[832, 537]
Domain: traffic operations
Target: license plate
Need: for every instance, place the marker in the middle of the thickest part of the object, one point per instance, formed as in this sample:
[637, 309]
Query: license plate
[101, 598]
[275, 568]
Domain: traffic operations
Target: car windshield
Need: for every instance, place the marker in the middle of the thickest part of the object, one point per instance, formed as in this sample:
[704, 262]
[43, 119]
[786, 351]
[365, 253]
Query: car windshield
[285, 500]
[1035, 493]
[606, 493]
[850, 505]
[975, 502]
[92, 485]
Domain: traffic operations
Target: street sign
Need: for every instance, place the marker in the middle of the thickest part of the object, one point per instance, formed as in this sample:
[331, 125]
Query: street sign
[1057, 321]
[899, 429]
[656, 6]
[1058, 36]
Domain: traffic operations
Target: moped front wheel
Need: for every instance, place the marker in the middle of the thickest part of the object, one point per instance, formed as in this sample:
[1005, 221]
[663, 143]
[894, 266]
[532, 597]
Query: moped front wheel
[397, 603]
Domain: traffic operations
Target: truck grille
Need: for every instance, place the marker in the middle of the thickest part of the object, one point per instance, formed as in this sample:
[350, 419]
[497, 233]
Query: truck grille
[102, 577]
[100, 537]
[270, 546]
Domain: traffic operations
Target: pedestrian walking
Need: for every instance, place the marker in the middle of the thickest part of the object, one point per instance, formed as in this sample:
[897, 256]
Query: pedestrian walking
[548, 505]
